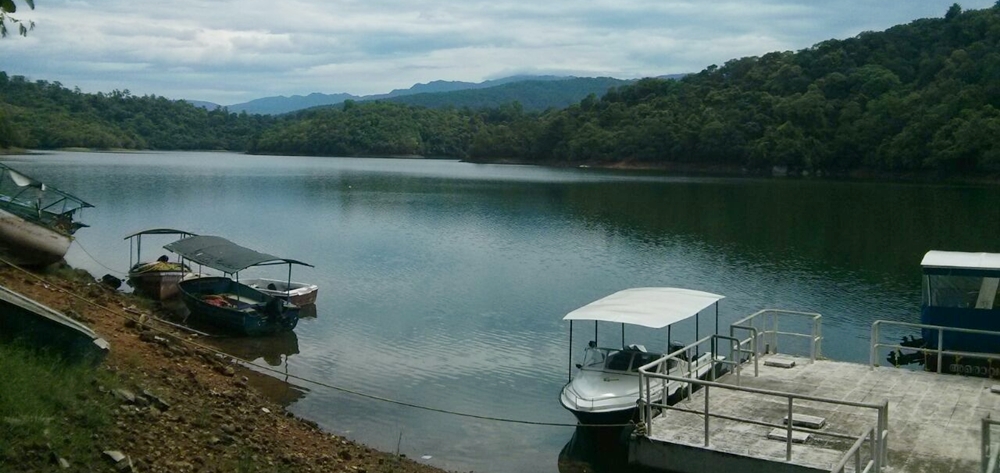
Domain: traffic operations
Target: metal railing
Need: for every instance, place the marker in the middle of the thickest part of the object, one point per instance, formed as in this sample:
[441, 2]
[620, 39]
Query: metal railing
[989, 450]
[860, 465]
[765, 331]
[649, 373]
[939, 352]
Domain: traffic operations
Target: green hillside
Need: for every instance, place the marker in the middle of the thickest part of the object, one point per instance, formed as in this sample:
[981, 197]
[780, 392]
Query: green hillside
[921, 97]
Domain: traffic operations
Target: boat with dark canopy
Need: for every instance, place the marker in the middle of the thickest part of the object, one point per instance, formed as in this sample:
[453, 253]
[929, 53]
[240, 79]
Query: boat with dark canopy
[222, 301]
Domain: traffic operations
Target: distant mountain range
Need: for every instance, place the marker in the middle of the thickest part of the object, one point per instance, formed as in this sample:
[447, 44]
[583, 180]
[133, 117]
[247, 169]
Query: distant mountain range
[532, 92]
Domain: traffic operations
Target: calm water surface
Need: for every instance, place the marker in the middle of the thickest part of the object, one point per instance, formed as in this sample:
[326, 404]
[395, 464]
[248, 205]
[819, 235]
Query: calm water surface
[443, 284]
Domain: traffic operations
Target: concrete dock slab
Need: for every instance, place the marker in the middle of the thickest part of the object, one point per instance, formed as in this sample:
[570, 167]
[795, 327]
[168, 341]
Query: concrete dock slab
[934, 420]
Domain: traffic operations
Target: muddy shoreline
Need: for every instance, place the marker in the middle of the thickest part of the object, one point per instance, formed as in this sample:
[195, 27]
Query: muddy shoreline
[216, 414]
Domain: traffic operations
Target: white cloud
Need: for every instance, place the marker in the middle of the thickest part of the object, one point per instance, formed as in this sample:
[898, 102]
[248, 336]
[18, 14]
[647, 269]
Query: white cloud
[230, 51]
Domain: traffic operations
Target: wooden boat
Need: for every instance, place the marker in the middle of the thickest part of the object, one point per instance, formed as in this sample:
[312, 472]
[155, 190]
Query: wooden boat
[156, 279]
[38, 325]
[36, 220]
[225, 302]
[298, 293]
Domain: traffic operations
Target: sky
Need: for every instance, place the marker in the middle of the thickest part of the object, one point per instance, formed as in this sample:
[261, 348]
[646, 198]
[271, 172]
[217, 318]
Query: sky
[233, 51]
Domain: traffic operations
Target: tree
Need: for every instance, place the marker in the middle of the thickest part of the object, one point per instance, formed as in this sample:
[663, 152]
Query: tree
[6, 8]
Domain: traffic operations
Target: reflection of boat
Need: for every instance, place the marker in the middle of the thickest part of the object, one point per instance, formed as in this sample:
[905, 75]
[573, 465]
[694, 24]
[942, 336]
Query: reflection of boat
[36, 220]
[960, 292]
[26, 319]
[273, 349]
[606, 385]
[298, 293]
[155, 279]
[590, 449]
[226, 303]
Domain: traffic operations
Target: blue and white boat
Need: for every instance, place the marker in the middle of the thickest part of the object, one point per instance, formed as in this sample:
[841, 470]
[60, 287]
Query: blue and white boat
[960, 291]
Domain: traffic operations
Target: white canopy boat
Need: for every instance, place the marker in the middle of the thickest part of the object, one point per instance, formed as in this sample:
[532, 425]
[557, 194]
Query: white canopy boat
[605, 389]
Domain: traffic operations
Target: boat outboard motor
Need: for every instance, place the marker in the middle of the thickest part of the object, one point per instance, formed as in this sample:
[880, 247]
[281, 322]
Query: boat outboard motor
[274, 309]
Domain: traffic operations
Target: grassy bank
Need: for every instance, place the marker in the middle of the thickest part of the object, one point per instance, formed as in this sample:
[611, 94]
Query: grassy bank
[51, 410]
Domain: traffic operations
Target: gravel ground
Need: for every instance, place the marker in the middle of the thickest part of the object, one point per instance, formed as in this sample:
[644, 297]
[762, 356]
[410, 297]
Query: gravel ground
[184, 408]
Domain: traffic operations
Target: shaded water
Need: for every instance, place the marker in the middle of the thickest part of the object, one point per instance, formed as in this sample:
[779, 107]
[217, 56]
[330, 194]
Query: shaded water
[443, 284]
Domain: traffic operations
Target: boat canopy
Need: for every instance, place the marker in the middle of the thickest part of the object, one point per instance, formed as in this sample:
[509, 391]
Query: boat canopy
[160, 231]
[224, 255]
[654, 307]
[957, 263]
[37, 194]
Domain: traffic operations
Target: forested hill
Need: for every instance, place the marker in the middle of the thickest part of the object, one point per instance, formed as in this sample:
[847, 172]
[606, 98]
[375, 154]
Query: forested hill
[533, 95]
[918, 97]
[45, 115]
[922, 96]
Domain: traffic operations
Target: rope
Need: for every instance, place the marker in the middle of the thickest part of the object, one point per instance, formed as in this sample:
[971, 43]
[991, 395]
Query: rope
[91, 257]
[312, 381]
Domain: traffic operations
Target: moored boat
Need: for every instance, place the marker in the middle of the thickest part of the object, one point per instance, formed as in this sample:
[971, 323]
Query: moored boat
[23, 318]
[605, 387]
[237, 308]
[298, 293]
[959, 315]
[226, 303]
[36, 220]
[156, 279]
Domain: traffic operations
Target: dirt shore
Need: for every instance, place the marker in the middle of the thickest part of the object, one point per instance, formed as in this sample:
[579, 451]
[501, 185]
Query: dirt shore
[191, 409]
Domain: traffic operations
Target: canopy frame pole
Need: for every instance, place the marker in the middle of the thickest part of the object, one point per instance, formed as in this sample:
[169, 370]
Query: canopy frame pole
[716, 317]
[623, 335]
[130, 254]
[138, 250]
[288, 286]
[569, 372]
[668, 337]
[697, 334]
[595, 333]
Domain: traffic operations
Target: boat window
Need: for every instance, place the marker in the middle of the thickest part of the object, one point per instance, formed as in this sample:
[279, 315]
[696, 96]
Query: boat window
[960, 291]
[594, 358]
[619, 361]
[644, 359]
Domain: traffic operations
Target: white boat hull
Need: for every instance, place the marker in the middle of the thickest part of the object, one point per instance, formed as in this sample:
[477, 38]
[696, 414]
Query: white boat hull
[297, 293]
[610, 397]
[26, 243]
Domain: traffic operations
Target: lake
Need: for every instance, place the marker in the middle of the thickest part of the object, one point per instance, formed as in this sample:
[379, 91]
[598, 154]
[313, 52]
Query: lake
[443, 284]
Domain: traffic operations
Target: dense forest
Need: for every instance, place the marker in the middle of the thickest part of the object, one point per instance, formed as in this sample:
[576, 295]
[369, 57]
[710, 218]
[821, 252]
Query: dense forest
[918, 97]
[46, 115]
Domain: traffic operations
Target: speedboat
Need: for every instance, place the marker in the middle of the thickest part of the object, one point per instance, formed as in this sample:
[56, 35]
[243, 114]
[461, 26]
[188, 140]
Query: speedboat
[156, 279]
[605, 388]
[36, 220]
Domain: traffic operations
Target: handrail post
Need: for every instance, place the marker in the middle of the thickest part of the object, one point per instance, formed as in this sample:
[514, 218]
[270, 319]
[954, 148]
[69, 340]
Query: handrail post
[788, 433]
[940, 349]
[883, 457]
[984, 446]
[707, 417]
[873, 347]
[647, 409]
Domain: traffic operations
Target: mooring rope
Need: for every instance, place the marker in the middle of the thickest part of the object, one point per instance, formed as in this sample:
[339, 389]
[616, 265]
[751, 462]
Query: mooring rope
[95, 259]
[278, 373]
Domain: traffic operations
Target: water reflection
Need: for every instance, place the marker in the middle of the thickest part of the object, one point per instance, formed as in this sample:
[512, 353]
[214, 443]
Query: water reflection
[274, 349]
[598, 450]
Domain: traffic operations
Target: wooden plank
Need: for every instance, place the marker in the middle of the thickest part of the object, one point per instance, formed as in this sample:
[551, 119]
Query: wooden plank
[807, 421]
[782, 434]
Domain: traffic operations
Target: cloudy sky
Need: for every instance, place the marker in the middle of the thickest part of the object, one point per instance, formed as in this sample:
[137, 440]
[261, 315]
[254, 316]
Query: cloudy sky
[232, 51]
